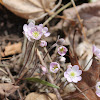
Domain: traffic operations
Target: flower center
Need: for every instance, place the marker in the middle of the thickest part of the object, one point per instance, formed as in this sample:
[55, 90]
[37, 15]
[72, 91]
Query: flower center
[62, 49]
[55, 66]
[72, 74]
[35, 34]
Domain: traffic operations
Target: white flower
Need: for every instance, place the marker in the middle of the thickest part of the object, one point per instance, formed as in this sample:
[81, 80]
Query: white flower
[72, 74]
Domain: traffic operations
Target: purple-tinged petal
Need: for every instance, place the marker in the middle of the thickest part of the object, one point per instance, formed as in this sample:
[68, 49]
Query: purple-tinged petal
[31, 25]
[25, 28]
[45, 29]
[47, 34]
[78, 72]
[75, 67]
[67, 77]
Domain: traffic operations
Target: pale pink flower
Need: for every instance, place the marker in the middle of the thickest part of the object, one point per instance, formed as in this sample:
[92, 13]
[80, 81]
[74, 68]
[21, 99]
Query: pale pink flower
[62, 50]
[43, 43]
[96, 51]
[35, 32]
[72, 74]
[54, 67]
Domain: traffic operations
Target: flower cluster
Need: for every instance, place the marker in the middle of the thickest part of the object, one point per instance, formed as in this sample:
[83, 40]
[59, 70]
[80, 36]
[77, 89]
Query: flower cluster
[73, 73]
[98, 89]
[96, 51]
[35, 32]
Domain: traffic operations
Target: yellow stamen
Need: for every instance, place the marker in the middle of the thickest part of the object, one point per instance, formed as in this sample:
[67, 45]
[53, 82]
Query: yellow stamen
[72, 74]
[35, 34]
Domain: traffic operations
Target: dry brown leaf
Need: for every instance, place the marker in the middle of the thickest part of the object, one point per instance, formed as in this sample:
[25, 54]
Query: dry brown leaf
[38, 96]
[12, 49]
[90, 15]
[89, 93]
[28, 9]
[7, 89]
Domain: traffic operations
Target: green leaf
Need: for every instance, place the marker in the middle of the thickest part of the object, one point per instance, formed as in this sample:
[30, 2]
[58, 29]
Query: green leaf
[37, 80]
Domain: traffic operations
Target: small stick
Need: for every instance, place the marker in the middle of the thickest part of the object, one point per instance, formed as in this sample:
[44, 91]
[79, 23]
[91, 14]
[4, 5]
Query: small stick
[56, 13]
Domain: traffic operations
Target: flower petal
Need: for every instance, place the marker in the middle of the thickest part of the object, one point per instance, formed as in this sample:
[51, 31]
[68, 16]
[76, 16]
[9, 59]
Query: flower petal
[47, 34]
[67, 77]
[98, 93]
[25, 28]
[78, 72]
[31, 25]
[75, 67]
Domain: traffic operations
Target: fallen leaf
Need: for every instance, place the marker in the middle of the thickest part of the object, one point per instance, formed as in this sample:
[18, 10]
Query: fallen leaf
[89, 92]
[6, 89]
[12, 49]
[28, 9]
[90, 17]
[38, 96]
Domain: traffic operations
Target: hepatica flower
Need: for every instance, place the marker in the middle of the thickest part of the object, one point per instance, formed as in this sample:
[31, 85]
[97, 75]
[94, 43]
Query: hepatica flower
[98, 89]
[62, 50]
[54, 67]
[35, 32]
[96, 51]
[43, 43]
[73, 73]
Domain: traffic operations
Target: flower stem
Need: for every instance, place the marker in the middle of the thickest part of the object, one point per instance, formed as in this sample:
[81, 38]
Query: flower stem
[27, 58]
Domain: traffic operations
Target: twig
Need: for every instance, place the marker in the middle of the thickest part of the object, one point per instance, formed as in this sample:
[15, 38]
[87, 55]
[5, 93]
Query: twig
[56, 13]
[87, 63]
[59, 3]
[49, 76]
